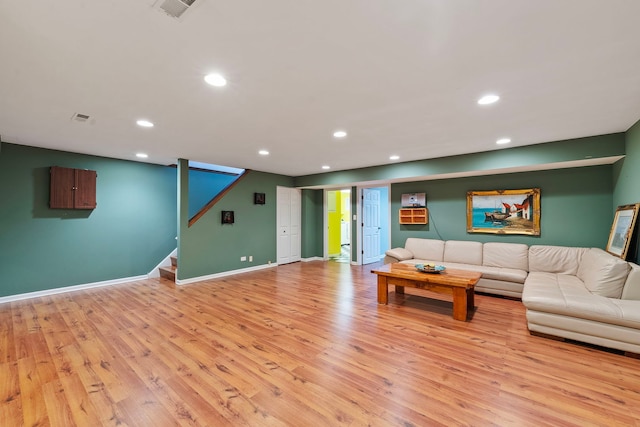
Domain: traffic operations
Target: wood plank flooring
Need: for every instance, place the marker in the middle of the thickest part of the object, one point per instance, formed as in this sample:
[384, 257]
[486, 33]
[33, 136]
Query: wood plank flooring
[304, 344]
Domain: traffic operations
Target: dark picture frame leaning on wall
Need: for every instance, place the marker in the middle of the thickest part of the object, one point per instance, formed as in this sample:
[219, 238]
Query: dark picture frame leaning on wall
[504, 211]
[624, 221]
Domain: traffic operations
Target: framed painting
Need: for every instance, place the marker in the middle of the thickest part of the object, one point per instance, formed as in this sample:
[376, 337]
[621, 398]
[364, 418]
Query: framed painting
[622, 229]
[259, 198]
[504, 211]
[227, 217]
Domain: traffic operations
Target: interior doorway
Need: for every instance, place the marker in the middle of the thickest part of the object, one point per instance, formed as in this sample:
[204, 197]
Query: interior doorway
[338, 220]
[374, 231]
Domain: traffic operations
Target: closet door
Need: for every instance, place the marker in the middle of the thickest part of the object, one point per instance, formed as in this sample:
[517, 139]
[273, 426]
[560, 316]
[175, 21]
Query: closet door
[289, 218]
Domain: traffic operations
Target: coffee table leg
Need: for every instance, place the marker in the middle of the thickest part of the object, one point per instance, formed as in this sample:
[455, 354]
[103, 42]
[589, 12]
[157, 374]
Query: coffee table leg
[460, 304]
[470, 300]
[383, 290]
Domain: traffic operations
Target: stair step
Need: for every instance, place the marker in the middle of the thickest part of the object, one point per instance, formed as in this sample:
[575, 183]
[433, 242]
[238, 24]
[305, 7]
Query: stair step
[169, 272]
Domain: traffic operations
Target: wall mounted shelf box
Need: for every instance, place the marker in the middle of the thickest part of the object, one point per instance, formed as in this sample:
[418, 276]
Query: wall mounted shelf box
[413, 216]
[72, 188]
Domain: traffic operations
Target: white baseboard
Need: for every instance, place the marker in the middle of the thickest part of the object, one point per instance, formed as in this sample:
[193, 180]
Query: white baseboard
[224, 274]
[313, 258]
[55, 291]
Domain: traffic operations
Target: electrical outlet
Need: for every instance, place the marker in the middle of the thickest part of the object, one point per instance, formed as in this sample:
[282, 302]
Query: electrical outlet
[250, 258]
[243, 258]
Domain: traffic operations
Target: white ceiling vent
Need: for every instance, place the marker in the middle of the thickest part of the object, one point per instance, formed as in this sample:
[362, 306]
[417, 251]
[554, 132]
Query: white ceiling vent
[173, 8]
[77, 117]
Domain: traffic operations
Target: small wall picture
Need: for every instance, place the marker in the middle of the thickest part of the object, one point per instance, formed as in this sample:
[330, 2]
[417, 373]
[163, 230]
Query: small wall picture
[227, 217]
[259, 199]
[414, 200]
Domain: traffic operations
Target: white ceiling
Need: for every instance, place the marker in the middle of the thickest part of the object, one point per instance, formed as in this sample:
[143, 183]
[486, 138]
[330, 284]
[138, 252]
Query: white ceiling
[400, 76]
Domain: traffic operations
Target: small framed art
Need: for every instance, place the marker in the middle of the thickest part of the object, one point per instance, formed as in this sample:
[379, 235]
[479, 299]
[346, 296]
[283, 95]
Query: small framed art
[227, 217]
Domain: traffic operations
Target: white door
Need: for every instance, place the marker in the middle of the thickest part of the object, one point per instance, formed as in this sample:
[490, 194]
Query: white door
[288, 211]
[370, 225]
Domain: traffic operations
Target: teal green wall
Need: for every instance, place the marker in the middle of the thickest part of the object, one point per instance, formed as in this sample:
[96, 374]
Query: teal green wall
[575, 207]
[312, 210]
[626, 178]
[128, 234]
[627, 171]
[209, 247]
[528, 156]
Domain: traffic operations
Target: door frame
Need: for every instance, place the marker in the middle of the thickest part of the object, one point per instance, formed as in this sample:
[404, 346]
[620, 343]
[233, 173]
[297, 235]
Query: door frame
[325, 220]
[386, 227]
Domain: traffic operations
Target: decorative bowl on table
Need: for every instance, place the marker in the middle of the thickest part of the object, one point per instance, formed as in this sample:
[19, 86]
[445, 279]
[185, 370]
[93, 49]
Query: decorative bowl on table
[430, 268]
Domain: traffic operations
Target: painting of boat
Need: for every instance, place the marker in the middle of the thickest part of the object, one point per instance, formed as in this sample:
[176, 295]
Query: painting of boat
[504, 211]
[496, 216]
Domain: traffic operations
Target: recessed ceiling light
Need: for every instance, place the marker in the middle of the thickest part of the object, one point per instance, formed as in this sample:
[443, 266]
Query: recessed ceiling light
[326, 167]
[142, 155]
[144, 123]
[215, 80]
[503, 141]
[339, 134]
[394, 157]
[488, 99]
[263, 152]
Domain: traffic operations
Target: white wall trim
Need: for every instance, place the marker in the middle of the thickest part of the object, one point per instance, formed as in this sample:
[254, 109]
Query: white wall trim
[224, 274]
[164, 263]
[55, 291]
[313, 258]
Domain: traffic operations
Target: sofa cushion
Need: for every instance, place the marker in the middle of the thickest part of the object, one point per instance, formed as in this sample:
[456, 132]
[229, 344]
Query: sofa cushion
[463, 252]
[602, 273]
[631, 288]
[555, 259]
[399, 253]
[507, 255]
[430, 249]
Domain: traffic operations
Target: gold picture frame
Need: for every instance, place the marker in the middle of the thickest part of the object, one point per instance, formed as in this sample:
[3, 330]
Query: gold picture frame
[624, 221]
[504, 211]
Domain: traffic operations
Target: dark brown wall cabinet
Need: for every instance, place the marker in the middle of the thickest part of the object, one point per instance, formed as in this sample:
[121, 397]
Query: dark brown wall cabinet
[72, 188]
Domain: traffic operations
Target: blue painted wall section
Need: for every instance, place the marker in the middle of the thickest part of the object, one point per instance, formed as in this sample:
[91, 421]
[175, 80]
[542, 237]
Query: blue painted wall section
[204, 186]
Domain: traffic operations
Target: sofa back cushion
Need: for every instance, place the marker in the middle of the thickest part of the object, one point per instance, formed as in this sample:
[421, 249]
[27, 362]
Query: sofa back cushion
[426, 249]
[602, 273]
[555, 259]
[506, 255]
[631, 288]
[463, 252]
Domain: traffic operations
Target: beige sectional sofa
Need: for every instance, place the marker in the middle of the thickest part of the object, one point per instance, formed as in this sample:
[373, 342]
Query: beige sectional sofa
[583, 294]
[504, 266]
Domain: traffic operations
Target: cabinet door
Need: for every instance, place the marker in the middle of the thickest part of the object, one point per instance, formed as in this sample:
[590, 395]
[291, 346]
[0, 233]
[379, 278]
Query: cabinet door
[85, 192]
[62, 185]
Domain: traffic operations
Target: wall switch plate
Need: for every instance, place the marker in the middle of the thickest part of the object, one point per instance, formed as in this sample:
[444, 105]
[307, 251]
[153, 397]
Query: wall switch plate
[243, 258]
[250, 258]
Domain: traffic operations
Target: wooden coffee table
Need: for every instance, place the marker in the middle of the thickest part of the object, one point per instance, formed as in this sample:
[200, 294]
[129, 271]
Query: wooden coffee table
[458, 283]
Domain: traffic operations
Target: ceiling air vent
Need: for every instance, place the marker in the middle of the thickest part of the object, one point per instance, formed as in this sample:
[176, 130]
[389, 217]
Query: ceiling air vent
[174, 8]
[77, 117]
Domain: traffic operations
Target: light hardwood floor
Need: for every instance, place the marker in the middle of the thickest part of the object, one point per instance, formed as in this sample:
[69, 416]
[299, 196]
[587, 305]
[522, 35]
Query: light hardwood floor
[304, 344]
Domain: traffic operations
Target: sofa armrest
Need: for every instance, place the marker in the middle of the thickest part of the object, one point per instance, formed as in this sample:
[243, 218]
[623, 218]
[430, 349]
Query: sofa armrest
[400, 254]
